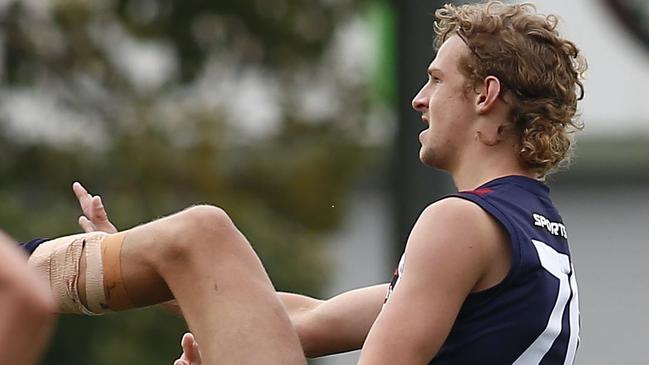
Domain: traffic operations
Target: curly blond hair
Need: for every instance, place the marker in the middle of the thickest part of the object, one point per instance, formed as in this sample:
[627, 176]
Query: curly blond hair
[543, 71]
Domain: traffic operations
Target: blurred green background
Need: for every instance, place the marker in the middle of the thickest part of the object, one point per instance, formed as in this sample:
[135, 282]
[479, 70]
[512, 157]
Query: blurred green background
[262, 108]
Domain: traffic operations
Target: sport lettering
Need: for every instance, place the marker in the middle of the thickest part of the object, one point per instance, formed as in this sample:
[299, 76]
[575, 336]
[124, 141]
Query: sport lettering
[555, 228]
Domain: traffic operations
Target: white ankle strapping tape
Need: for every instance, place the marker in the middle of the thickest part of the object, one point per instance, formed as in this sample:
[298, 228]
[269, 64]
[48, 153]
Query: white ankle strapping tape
[58, 262]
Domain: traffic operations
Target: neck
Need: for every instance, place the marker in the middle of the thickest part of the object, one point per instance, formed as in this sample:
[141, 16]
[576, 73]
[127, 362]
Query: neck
[485, 165]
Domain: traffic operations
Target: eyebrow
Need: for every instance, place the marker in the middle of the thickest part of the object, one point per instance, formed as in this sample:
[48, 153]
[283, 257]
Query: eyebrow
[434, 69]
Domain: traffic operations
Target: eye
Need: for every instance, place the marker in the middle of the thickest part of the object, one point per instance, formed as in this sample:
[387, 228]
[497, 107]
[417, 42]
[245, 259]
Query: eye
[436, 80]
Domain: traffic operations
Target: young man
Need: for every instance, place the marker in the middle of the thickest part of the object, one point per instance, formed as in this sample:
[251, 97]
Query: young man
[26, 308]
[486, 275]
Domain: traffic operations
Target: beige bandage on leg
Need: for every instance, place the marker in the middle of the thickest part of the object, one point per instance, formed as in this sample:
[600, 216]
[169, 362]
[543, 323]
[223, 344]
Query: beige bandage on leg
[116, 296]
[58, 262]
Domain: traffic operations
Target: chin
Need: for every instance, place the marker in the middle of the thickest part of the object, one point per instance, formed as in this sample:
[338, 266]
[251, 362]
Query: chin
[430, 159]
[427, 158]
[430, 164]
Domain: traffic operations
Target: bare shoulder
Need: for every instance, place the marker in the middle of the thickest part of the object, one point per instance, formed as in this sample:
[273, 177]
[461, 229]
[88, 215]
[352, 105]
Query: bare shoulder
[457, 229]
[448, 255]
[460, 218]
[451, 207]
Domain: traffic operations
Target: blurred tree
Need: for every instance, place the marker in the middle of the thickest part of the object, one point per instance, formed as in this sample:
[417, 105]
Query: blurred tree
[263, 108]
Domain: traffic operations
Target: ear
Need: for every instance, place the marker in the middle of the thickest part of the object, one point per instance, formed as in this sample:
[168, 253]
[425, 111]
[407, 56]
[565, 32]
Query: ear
[488, 95]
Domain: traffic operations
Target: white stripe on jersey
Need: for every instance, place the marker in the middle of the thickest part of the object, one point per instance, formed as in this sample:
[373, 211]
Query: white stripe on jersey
[574, 320]
[559, 266]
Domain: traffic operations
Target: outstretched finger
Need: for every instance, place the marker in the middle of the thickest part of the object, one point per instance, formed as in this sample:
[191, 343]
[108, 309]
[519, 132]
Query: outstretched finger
[98, 209]
[187, 344]
[99, 217]
[184, 357]
[190, 349]
[86, 224]
[83, 196]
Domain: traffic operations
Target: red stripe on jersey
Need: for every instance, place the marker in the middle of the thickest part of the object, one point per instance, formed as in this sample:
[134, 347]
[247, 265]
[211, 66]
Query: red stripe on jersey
[479, 192]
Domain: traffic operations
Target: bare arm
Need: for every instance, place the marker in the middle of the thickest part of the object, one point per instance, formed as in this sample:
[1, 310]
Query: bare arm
[445, 261]
[336, 325]
[330, 326]
[26, 308]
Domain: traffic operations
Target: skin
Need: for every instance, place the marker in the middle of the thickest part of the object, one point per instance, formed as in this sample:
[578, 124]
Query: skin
[231, 306]
[323, 327]
[445, 261]
[27, 308]
[466, 132]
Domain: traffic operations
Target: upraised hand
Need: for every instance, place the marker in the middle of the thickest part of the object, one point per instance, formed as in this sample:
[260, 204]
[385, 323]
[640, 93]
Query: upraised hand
[94, 216]
[191, 354]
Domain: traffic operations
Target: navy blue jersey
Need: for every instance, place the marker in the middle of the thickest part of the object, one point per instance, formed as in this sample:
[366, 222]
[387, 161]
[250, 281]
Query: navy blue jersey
[32, 245]
[532, 316]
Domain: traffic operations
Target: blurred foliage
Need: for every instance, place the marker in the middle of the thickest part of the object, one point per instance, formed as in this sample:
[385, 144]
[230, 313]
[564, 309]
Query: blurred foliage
[152, 146]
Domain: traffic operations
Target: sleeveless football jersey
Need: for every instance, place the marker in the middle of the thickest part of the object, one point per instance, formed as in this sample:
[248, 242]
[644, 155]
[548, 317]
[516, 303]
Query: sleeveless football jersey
[32, 245]
[532, 316]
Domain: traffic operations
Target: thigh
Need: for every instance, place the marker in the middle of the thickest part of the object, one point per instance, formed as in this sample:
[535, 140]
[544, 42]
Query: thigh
[223, 290]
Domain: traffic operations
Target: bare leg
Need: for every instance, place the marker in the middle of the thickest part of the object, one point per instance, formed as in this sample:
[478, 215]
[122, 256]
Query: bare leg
[200, 257]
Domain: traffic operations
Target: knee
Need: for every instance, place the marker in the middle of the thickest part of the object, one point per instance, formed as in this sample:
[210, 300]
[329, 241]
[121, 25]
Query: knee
[200, 228]
[205, 216]
[206, 219]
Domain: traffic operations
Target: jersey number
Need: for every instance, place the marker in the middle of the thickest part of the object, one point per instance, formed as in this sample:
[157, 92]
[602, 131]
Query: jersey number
[559, 266]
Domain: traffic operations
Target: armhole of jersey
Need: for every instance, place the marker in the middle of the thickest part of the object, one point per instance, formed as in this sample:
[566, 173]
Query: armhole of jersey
[32, 245]
[514, 240]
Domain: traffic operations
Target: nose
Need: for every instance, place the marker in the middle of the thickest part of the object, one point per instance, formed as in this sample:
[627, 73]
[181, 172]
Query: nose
[420, 101]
